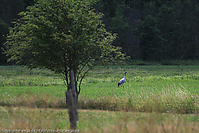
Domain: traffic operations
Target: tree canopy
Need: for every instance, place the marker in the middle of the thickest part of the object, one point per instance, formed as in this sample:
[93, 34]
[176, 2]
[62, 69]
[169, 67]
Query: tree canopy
[62, 35]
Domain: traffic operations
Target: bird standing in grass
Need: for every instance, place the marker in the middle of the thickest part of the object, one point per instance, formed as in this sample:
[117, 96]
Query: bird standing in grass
[122, 80]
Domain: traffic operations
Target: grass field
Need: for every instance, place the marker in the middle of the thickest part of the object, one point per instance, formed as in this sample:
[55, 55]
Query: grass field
[155, 98]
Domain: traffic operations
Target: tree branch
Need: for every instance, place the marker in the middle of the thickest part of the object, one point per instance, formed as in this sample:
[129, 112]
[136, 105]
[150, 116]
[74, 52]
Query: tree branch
[84, 76]
[82, 68]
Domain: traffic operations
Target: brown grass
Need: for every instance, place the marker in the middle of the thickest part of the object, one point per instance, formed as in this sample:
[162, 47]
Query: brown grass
[13, 118]
[148, 125]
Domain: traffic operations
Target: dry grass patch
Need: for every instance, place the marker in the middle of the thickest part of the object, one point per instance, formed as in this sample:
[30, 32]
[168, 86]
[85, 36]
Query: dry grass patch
[97, 121]
[148, 123]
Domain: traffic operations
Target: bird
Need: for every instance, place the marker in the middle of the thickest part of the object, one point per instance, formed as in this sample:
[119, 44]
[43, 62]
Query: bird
[122, 80]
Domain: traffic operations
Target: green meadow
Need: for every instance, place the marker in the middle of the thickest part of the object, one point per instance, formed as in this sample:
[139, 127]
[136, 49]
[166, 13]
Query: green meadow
[154, 98]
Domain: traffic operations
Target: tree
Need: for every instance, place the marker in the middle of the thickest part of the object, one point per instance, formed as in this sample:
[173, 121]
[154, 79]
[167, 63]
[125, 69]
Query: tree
[119, 24]
[63, 36]
[150, 39]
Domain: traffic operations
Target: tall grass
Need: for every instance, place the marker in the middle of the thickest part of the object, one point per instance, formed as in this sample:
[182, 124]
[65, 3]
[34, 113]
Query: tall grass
[171, 99]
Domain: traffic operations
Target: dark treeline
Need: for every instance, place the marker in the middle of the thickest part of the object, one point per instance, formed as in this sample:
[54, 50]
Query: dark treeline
[147, 29]
[155, 29]
[9, 10]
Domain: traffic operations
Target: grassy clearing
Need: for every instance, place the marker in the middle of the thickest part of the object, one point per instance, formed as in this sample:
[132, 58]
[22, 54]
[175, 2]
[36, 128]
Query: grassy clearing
[153, 99]
[161, 89]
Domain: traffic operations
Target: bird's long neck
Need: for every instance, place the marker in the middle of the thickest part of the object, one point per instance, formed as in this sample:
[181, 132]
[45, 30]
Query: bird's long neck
[124, 76]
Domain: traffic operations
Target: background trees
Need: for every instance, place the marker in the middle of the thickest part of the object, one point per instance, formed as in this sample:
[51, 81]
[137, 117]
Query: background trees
[150, 41]
[176, 22]
[175, 32]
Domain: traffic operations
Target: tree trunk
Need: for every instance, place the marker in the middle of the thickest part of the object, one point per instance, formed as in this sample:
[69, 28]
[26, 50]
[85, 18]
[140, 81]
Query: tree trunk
[72, 103]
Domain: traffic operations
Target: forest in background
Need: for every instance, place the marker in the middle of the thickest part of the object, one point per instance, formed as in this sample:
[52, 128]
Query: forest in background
[147, 29]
